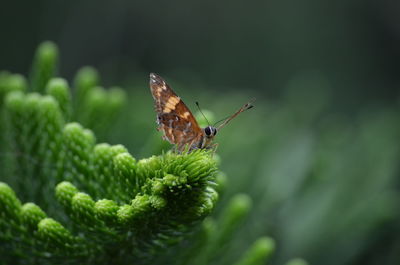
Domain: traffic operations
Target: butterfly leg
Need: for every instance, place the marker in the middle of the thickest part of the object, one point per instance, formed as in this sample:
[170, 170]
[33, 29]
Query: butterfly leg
[193, 145]
[214, 147]
[175, 149]
[182, 148]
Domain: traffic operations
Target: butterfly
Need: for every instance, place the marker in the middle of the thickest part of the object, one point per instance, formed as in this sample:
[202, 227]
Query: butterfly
[177, 122]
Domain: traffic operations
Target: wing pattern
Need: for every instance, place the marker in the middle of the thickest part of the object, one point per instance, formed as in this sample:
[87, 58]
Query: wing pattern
[173, 116]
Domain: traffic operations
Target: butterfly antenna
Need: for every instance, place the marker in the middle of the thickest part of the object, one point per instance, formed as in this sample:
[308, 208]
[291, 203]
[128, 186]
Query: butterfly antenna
[198, 106]
[245, 107]
[215, 124]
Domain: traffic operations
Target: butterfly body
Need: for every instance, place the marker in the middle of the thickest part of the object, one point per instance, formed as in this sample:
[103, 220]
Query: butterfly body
[176, 120]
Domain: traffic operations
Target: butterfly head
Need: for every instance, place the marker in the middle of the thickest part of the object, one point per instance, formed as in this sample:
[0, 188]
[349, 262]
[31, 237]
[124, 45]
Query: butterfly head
[210, 131]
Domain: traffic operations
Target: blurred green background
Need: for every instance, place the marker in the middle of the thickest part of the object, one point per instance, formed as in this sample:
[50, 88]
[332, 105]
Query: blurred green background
[319, 155]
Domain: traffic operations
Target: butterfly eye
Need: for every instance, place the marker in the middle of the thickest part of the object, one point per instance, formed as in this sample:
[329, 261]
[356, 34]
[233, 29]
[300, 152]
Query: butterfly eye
[207, 130]
[215, 131]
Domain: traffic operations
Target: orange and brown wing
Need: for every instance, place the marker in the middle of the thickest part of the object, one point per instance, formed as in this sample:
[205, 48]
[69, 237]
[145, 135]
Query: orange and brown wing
[173, 116]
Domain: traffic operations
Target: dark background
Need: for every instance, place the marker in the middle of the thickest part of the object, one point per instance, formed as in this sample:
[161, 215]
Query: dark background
[318, 154]
[260, 45]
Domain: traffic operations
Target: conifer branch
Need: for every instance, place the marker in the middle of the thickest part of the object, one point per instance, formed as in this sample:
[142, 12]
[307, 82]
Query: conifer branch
[94, 203]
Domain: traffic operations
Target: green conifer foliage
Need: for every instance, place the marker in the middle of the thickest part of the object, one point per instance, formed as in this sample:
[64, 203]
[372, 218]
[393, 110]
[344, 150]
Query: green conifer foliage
[67, 199]
[44, 66]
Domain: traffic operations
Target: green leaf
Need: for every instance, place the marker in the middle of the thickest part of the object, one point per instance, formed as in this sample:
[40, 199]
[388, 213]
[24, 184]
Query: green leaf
[258, 253]
[44, 66]
[58, 88]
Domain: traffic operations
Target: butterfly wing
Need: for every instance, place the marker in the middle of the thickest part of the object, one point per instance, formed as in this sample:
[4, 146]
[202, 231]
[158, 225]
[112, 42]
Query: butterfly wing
[173, 116]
